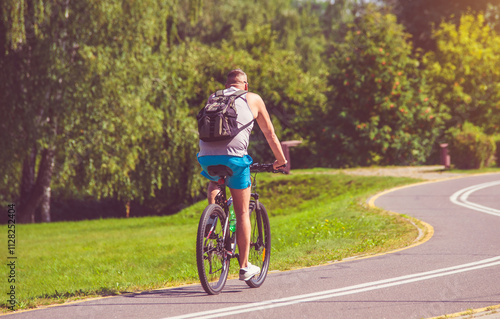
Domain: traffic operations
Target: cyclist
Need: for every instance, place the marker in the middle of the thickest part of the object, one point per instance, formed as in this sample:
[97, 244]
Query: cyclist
[233, 153]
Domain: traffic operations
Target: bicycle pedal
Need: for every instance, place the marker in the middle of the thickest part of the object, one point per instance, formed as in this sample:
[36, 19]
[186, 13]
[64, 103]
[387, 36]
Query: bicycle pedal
[232, 255]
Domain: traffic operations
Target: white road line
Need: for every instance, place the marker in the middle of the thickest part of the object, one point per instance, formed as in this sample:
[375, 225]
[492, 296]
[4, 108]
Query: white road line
[460, 198]
[257, 306]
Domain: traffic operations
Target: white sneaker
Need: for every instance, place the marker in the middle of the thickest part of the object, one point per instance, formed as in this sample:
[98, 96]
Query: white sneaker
[248, 272]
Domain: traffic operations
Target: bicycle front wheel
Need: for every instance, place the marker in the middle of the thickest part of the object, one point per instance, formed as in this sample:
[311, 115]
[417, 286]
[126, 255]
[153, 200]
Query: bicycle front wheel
[211, 257]
[260, 243]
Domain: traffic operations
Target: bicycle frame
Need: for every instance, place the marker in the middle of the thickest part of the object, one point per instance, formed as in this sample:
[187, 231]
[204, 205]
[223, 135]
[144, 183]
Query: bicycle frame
[222, 200]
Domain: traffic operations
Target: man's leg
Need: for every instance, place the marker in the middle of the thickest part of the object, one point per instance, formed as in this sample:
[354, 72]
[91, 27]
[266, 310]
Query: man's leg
[212, 191]
[241, 202]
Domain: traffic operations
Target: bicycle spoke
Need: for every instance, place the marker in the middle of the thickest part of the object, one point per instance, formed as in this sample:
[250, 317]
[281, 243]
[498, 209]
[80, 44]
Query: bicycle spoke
[211, 255]
[260, 245]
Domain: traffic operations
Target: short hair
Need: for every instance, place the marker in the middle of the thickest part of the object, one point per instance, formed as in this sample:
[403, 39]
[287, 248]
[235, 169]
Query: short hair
[234, 76]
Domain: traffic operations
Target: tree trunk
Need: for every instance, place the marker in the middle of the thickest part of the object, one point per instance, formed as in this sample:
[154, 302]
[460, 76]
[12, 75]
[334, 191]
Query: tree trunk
[28, 178]
[40, 189]
[45, 206]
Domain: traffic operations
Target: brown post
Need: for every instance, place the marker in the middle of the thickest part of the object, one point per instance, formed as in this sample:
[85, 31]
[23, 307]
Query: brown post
[445, 156]
[286, 151]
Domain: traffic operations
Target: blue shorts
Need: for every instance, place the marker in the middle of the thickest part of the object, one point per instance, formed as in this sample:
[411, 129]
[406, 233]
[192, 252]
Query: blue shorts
[239, 165]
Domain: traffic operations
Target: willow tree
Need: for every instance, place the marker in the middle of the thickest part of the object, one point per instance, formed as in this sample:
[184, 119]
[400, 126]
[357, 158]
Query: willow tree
[80, 97]
[37, 54]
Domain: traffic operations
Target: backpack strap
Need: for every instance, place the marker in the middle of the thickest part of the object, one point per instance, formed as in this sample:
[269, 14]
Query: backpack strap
[237, 94]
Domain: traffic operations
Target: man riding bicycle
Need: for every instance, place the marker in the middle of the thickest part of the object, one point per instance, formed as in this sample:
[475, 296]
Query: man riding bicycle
[233, 153]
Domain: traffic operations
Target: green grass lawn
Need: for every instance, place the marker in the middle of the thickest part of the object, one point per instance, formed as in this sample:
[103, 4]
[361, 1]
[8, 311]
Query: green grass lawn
[315, 219]
[476, 171]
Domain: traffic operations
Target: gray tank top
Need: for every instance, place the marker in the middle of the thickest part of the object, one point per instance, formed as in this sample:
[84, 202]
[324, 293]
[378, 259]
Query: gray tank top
[238, 145]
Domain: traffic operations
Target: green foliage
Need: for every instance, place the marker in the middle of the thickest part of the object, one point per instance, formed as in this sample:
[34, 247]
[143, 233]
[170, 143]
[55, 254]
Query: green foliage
[464, 73]
[100, 91]
[379, 110]
[497, 148]
[470, 147]
[40, 69]
[420, 16]
[146, 150]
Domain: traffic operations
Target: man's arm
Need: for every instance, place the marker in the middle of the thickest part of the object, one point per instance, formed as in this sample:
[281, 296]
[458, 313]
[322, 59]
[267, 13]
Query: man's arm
[264, 121]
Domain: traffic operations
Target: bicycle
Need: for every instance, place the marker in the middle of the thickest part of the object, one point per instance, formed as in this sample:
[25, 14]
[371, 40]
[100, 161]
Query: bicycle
[216, 238]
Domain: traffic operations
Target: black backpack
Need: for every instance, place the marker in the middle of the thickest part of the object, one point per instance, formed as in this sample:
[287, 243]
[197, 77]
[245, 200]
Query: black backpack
[217, 120]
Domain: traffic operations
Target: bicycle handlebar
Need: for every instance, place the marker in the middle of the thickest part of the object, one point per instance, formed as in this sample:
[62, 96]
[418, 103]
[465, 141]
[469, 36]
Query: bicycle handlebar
[260, 168]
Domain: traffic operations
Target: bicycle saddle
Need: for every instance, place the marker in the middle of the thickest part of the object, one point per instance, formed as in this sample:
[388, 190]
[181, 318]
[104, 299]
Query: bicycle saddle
[219, 170]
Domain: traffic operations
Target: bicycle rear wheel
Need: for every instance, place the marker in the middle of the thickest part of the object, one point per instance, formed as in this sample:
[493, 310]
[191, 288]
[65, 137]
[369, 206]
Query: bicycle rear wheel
[211, 257]
[260, 243]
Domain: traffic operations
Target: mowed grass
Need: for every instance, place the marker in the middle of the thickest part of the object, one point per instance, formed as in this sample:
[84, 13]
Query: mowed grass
[315, 219]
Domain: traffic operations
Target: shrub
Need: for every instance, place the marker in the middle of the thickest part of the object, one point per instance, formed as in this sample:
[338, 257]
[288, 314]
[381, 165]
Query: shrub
[464, 71]
[378, 111]
[470, 147]
[497, 153]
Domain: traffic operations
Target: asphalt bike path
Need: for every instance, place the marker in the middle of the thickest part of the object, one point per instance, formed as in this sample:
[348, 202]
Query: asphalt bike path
[455, 269]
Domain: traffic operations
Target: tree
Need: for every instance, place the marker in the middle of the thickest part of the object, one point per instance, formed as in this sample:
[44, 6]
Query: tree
[464, 73]
[420, 16]
[379, 111]
[84, 99]
[36, 54]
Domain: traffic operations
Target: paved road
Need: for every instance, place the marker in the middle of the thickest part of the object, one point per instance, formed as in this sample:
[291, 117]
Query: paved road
[457, 269]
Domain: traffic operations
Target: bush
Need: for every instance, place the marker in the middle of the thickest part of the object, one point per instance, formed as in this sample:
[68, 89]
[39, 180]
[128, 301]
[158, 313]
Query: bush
[464, 71]
[470, 147]
[378, 111]
[497, 153]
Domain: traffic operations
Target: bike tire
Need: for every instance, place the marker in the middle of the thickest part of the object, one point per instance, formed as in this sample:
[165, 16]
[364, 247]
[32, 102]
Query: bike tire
[211, 256]
[260, 243]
